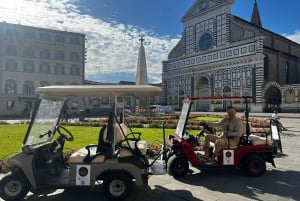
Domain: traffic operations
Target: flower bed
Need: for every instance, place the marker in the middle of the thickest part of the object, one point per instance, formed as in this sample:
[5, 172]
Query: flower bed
[170, 121]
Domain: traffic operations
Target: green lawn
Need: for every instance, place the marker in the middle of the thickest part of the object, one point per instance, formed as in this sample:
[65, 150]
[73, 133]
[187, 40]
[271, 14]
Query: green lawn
[12, 137]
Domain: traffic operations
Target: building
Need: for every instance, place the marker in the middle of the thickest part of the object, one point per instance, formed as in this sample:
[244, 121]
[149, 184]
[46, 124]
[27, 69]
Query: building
[220, 54]
[31, 57]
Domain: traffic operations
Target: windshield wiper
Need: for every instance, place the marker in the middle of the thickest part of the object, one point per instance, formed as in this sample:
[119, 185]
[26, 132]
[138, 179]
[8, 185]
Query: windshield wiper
[49, 132]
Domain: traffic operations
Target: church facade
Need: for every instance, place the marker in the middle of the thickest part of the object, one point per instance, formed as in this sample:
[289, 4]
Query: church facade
[220, 54]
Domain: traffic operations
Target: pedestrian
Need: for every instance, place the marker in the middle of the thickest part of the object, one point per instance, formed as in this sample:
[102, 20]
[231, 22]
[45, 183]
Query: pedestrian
[275, 118]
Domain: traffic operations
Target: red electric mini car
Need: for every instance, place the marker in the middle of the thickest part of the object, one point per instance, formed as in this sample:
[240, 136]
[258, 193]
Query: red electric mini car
[250, 155]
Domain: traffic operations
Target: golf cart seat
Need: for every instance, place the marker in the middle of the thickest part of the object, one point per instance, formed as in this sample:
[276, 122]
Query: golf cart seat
[257, 140]
[253, 139]
[128, 144]
[80, 155]
[94, 153]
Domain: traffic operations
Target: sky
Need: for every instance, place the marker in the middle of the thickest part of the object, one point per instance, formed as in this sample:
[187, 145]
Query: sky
[113, 28]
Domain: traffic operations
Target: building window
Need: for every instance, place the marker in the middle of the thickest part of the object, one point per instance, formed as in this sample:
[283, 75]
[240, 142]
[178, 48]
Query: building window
[205, 42]
[74, 56]
[11, 33]
[44, 36]
[11, 50]
[28, 34]
[44, 68]
[28, 67]
[60, 55]
[44, 83]
[10, 104]
[59, 69]
[10, 87]
[189, 40]
[28, 52]
[75, 40]
[59, 38]
[28, 87]
[11, 65]
[266, 68]
[27, 109]
[74, 70]
[287, 73]
[45, 54]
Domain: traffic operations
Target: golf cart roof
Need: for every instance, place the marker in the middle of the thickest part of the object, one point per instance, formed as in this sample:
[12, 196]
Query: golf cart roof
[99, 90]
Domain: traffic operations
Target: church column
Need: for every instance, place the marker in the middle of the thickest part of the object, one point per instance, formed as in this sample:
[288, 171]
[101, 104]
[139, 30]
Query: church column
[258, 84]
[282, 97]
[296, 98]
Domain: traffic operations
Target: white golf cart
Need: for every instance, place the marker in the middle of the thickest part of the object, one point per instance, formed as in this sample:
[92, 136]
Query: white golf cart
[116, 160]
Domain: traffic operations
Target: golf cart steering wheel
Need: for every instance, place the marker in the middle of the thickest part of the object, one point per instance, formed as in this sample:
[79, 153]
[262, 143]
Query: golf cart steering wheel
[69, 137]
[206, 129]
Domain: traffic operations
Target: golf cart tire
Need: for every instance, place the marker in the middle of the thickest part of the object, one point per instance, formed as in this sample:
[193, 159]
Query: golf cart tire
[116, 186]
[177, 165]
[254, 166]
[13, 187]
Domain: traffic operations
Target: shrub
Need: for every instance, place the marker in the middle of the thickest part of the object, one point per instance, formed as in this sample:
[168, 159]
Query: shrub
[3, 166]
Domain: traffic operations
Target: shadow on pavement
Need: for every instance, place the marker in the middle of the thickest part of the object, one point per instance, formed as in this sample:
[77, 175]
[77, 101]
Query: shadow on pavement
[273, 182]
[159, 193]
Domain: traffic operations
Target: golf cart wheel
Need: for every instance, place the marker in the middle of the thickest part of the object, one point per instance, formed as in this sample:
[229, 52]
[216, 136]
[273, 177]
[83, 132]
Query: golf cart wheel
[117, 186]
[14, 187]
[177, 165]
[255, 166]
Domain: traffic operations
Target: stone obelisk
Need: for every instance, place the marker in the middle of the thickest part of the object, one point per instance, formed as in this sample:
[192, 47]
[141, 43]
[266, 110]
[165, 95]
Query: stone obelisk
[142, 77]
[141, 72]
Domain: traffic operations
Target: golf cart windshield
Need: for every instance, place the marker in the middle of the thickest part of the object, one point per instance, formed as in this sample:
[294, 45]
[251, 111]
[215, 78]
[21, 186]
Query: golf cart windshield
[186, 107]
[42, 126]
[184, 115]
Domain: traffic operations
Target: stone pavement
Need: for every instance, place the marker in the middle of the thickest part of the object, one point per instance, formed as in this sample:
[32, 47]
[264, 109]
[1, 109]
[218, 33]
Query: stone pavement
[280, 183]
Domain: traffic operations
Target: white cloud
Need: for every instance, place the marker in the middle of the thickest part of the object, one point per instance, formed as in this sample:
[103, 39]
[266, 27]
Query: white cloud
[294, 37]
[111, 46]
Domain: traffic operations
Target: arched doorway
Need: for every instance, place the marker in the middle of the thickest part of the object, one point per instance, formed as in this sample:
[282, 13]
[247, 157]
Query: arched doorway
[226, 103]
[203, 91]
[273, 99]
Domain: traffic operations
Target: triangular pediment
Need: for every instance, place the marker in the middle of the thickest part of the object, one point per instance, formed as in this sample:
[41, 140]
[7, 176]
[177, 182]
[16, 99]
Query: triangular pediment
[202, 6]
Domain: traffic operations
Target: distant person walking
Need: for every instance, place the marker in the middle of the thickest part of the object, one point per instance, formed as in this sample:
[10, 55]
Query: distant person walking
[275, 118]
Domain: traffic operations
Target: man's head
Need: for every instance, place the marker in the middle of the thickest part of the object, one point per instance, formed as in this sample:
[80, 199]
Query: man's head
[231, 111]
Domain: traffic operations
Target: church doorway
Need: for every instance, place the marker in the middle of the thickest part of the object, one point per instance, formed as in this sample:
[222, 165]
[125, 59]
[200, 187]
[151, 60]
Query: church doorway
[203, 91]
[273, 99]
[226, 103]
